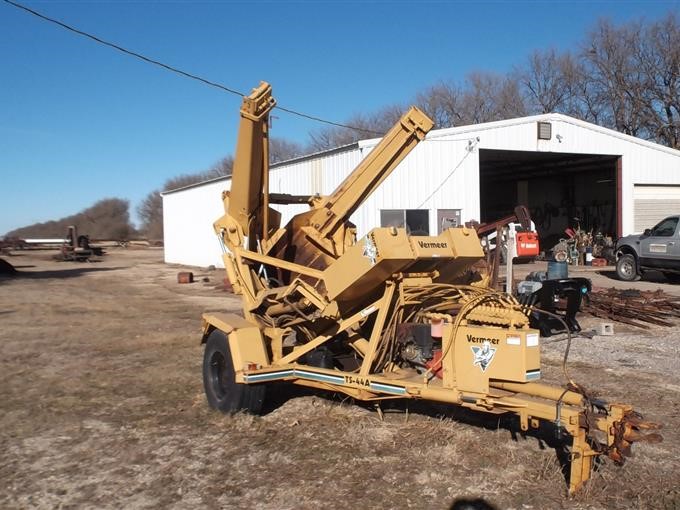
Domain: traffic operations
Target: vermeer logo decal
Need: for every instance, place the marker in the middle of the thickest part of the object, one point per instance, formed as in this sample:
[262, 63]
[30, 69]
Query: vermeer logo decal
[482, 340]
[483, 355]
[370, 251]
[425, 244]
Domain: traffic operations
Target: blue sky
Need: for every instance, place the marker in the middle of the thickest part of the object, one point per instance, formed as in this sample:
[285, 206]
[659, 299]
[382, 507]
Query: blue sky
[80, 121]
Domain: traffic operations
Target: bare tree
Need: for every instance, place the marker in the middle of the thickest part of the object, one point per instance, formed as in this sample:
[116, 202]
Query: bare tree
[489, 97]
[547, 82]
[509, 101]
[281, 149]
[331, 137]
[222, 168]
[363, 127]
[626, 77]
[108, 218]
[442, 103]
[659, 57]
[381, 121]
[618, 83]
[584, 97]
[150, 210]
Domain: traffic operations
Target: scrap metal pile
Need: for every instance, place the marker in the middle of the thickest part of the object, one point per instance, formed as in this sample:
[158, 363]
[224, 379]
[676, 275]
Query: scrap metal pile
[634, 307]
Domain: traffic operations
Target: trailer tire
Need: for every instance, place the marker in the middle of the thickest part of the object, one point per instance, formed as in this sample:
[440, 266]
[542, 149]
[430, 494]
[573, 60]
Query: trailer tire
[219, 380]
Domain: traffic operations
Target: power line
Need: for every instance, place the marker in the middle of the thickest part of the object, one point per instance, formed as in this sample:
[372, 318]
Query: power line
[175, 69]
[123, 50]
[318, 119]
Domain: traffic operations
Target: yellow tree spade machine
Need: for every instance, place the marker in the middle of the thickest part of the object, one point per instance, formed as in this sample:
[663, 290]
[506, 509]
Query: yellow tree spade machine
[390, 316]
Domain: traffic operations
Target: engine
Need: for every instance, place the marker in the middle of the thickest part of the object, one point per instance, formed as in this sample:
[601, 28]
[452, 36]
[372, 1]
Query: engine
[417, 346]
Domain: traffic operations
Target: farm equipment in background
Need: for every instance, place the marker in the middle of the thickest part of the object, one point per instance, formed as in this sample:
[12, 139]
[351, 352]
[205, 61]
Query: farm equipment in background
[511, 238]
[77, 248]
[580, 247]
[561, 297]
[391, 316]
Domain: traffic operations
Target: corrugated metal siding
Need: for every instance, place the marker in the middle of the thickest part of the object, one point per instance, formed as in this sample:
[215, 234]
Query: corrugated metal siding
[188, 218]
[642, 161]
[310, 177]
[446, 164]
[420, 182]
[446, 151]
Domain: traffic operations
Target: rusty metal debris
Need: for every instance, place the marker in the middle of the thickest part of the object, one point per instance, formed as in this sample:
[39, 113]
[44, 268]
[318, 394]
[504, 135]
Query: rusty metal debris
[185, 277]
[77, 248]
[634, 307]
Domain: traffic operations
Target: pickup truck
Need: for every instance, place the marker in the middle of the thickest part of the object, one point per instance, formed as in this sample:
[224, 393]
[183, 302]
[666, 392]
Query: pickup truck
[656, 249]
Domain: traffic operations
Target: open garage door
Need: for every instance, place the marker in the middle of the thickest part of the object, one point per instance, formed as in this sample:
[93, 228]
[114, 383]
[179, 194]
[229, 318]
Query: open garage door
[557, 187]
[653, 203]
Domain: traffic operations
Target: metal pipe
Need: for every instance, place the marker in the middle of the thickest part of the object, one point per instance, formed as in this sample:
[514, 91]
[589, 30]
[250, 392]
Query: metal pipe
[265, 179]
[540, 390]
[285, 199]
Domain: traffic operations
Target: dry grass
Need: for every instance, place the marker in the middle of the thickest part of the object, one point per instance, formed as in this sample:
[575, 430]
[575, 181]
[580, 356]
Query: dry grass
[102, 406]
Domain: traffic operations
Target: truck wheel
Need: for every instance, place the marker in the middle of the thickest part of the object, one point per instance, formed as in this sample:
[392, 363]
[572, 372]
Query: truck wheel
[626, 268]
[221, 389]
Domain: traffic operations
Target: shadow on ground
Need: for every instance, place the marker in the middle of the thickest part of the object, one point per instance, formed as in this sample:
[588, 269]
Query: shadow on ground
[61, 273]
[547, 434]
[471, 504]
[648, 276]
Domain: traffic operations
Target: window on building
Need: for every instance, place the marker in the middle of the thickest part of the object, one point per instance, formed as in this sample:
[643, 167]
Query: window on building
[415, 221]
[447, 218]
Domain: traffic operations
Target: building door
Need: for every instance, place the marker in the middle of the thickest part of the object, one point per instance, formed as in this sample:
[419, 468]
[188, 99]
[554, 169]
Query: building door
[653, 203]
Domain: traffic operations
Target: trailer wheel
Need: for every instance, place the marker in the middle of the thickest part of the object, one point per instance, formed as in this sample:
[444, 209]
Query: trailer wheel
[626, 268]
[221, 389]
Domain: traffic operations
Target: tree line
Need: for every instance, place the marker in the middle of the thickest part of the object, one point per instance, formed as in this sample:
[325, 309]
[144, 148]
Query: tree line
[625, 77]
[109, 218]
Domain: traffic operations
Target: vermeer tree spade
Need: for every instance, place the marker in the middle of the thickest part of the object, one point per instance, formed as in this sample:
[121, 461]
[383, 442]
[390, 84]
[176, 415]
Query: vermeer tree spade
[389, 316]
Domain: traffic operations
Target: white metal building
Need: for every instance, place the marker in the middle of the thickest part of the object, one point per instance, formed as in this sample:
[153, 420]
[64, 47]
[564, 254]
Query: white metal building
[558, 166]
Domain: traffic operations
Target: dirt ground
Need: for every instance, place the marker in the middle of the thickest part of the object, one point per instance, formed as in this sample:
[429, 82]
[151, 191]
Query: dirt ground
[102, 406]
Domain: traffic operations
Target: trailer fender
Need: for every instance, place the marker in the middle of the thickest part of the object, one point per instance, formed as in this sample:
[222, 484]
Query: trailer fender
[245, 340]
[225, 322]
